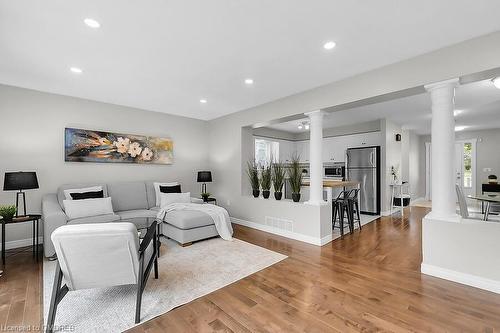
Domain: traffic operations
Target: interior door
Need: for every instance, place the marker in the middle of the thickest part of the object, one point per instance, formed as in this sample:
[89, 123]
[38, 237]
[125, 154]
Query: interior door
[465, 166]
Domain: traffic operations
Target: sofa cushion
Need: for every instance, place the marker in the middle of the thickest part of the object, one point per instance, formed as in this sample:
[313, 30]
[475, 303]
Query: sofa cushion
[60, 190]
[188, 219]
[128, 196]
[130, 214]
[96, 219]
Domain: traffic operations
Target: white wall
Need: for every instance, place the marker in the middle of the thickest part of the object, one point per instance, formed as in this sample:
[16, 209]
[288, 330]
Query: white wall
[416, 175]
[464, 252]
[391, 150]
[32, 138]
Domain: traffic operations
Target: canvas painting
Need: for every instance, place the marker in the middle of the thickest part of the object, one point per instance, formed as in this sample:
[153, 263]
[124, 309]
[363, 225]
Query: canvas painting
[82, 145]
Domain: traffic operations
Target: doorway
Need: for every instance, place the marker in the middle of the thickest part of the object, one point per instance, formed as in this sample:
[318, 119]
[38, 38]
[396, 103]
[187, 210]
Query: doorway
[465, 167]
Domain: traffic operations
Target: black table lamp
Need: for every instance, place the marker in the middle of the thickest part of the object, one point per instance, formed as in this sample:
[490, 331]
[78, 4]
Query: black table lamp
[204, 177]
[19, 181]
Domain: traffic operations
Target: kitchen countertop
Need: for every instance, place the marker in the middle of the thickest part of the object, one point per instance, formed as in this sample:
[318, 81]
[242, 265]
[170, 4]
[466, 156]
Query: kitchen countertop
[333, 183]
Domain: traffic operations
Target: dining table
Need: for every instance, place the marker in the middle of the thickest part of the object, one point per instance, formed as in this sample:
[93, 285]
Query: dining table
[487, 199]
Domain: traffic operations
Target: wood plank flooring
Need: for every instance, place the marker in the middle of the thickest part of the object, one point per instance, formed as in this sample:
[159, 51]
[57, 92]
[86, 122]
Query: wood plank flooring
[369, 281]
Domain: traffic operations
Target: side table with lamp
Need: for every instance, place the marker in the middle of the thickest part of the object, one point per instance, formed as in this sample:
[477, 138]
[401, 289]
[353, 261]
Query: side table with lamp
[21, 181]
[205, 177]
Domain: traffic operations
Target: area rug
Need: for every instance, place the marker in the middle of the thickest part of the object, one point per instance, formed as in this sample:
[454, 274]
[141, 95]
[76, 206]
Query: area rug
[186, 273]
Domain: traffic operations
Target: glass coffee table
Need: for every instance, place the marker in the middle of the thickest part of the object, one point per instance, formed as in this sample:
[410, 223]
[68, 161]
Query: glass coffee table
[143, 224]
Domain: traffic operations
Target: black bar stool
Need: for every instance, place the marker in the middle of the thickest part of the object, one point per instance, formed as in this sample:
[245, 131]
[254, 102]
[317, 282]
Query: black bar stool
[354, 206]
[340, 208]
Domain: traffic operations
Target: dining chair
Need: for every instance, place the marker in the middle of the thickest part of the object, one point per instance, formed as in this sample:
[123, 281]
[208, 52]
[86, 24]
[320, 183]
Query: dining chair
[462, 202]
[102, 255]
[463, 207]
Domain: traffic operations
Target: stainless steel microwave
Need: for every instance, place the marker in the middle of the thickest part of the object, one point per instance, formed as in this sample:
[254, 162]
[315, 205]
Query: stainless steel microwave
[335, 171]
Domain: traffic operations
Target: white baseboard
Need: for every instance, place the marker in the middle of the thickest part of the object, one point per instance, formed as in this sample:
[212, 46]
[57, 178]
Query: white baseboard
[284, 233]
[463, 278]
[21, 243]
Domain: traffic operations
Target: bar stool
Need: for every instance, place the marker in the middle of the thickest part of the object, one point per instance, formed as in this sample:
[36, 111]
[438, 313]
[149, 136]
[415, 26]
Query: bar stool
[340, 208]
[354, 206]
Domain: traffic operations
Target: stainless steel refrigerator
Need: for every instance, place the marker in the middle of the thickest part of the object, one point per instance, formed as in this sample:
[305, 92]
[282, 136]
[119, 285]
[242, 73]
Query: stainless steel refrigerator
[363, 165]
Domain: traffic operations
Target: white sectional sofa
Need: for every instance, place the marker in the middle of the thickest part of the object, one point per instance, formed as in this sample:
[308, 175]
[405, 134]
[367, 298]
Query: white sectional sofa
[130, 200]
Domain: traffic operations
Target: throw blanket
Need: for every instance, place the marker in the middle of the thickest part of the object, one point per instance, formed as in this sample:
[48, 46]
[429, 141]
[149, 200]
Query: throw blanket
[218, 214]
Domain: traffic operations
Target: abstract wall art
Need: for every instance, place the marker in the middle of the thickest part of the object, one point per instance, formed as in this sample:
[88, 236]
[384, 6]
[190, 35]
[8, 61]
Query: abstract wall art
[82, 145]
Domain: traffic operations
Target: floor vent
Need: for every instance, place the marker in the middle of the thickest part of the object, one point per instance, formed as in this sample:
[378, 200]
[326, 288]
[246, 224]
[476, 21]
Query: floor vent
[277, 223]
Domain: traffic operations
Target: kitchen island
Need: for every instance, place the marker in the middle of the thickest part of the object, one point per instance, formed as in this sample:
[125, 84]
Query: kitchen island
[330, 184]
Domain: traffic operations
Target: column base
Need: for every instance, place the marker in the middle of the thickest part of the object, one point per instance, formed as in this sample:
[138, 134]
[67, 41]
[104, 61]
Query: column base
[443, 217]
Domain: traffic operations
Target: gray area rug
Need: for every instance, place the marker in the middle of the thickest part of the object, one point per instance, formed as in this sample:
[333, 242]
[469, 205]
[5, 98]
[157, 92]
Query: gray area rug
[184, 275]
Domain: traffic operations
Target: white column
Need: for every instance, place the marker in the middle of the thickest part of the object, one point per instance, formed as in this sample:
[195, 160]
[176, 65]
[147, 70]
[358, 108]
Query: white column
[316, 157]
[443, 149]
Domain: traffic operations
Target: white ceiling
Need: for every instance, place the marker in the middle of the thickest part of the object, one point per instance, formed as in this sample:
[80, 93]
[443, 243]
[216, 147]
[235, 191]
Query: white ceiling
[478, 106]
[165, 56]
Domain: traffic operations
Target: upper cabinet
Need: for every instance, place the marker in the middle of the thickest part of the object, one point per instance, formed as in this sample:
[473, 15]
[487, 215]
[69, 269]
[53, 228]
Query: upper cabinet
[334, 148]
[303, 151]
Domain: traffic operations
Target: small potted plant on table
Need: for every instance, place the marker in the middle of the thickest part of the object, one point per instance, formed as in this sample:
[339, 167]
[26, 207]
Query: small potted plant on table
[205, 196]
[265, 181]
[278, 177]
[8, 212]
[253, 177]
[295, 177]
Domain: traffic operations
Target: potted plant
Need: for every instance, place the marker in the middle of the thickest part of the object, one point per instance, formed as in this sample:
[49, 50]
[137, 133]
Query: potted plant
[205, 196]
[492, 179]
[253, 176]
[8, 212]
[295, 177]
[265, 182]
[278, 177]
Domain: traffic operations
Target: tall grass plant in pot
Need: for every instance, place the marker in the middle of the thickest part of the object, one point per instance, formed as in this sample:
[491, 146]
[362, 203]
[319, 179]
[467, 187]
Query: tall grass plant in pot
[265, 180]
[253, 177]
[278, 178]
[295, 177]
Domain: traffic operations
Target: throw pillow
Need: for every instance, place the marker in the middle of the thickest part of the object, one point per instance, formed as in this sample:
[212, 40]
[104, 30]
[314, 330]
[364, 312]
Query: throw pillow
[157, 190]
[67, 193]
[87, 195]
[170, 198]
[170, 189]
[76, 209]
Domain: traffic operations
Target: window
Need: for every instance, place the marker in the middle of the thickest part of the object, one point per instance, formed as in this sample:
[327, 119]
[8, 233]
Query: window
[265, 150]
[467, 165]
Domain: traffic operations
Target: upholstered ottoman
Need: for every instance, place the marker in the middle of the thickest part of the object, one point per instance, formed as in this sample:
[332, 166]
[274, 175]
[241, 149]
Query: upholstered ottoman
[187, 226]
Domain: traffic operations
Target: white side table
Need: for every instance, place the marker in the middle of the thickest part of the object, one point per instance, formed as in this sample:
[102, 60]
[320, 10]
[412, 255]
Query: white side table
[398, 188]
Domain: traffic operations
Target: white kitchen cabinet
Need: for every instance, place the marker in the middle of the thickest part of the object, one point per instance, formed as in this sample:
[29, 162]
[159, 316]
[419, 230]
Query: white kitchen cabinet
[303, 151]
[286, 150]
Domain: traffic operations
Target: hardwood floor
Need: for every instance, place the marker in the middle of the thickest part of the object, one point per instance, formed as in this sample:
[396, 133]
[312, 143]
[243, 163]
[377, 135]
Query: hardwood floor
[369, 281]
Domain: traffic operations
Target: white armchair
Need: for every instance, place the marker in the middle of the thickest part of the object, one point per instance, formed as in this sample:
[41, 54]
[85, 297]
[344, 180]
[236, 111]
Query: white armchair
[102, 255]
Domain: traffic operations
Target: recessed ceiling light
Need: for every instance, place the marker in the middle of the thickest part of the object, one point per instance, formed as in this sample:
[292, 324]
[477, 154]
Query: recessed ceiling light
[496, 82]
[76, 70]
[306, 126]
[460, 128]
[299, 127]
[92, 23]
[249, 81]
[329, 45]
[457, 112]
[203, 101]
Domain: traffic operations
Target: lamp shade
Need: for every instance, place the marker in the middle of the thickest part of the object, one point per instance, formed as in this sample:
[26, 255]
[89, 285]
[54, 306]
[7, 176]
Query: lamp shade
[14, 181]
[204, 176]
